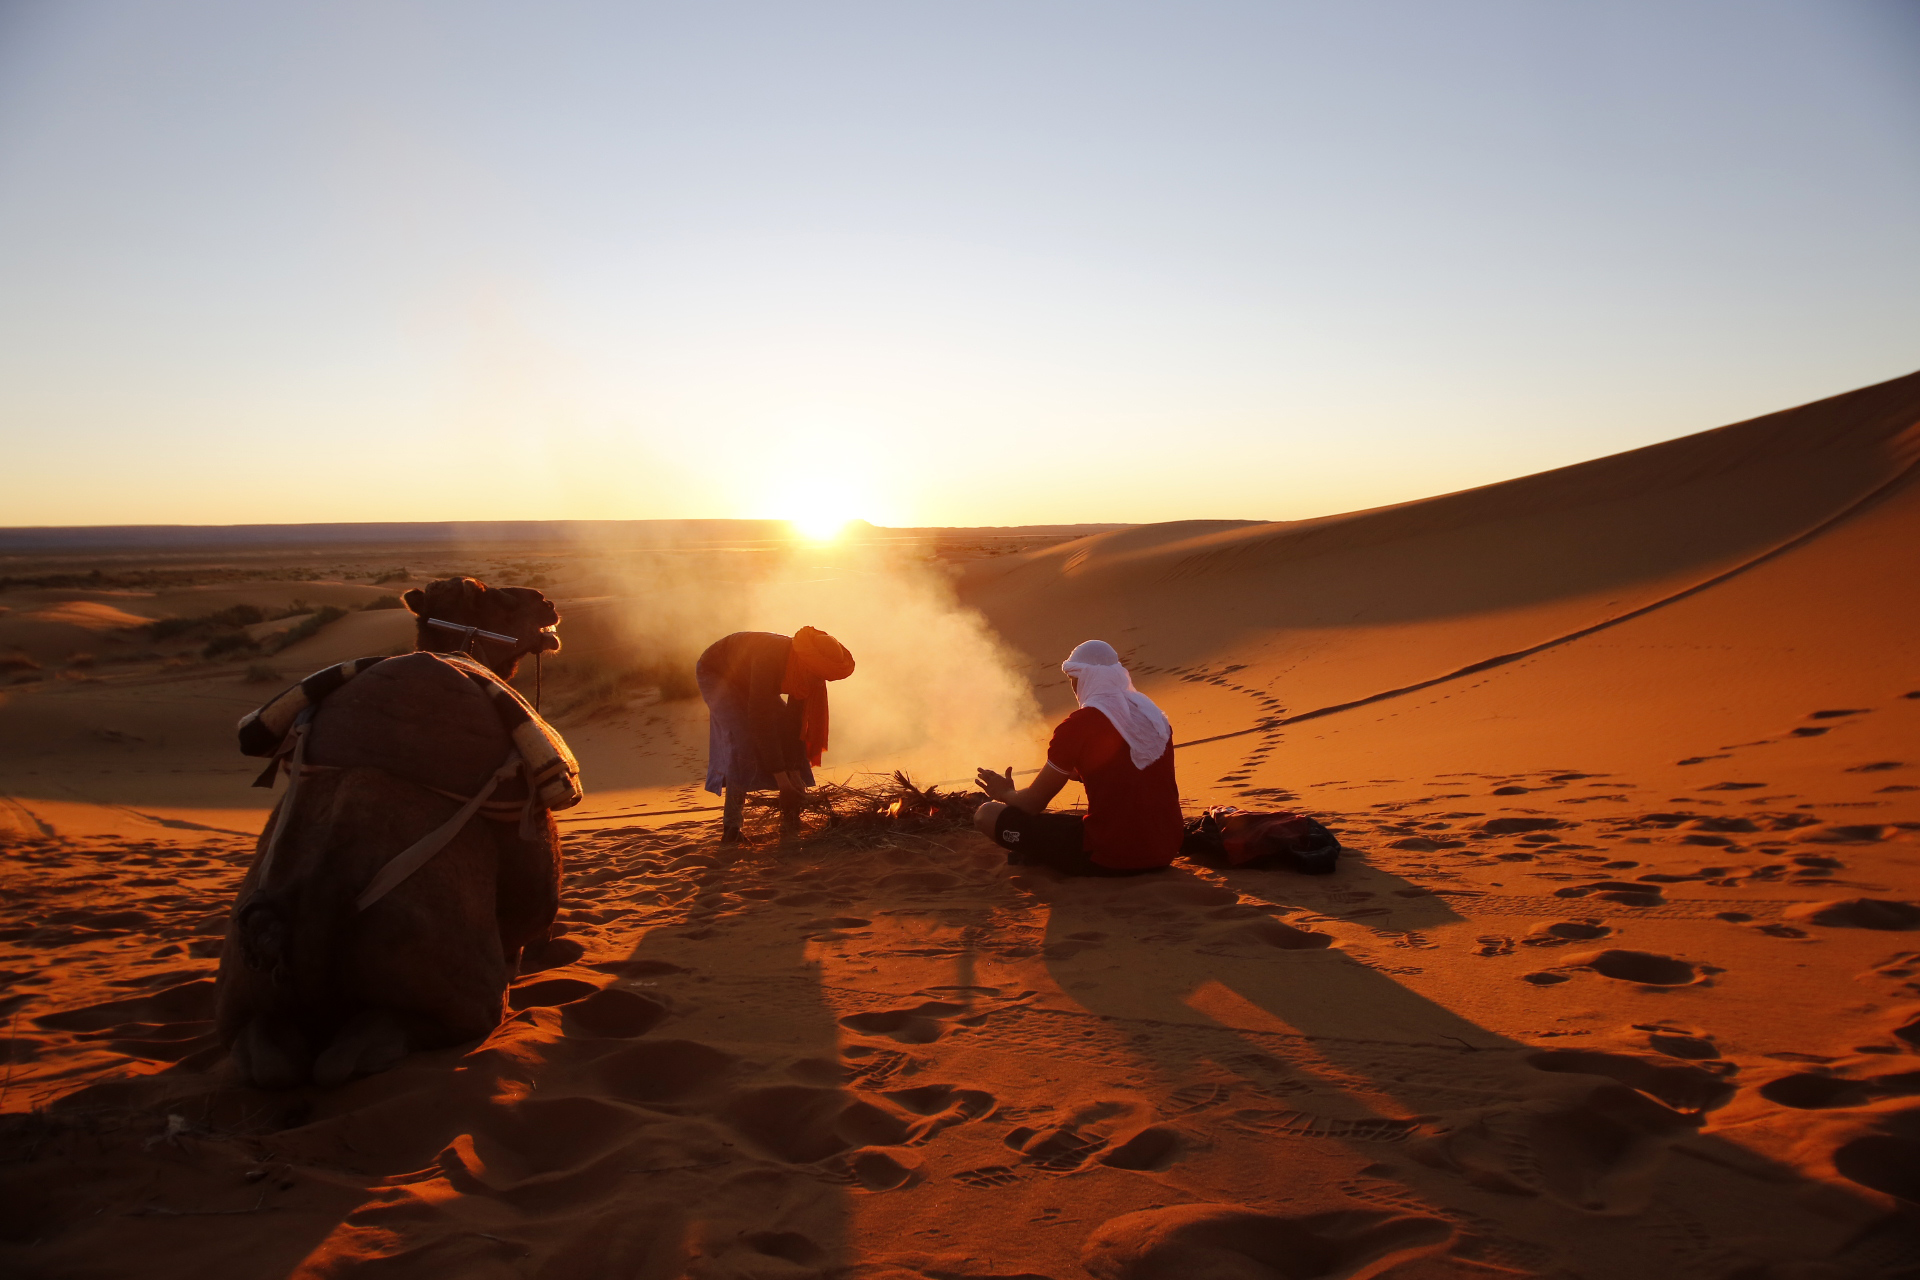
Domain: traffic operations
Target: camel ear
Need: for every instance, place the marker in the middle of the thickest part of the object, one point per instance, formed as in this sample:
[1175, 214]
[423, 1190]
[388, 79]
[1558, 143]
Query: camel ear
[416, 600]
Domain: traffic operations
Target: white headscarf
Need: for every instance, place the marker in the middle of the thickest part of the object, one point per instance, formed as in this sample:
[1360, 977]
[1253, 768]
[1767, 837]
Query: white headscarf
[1105, 686]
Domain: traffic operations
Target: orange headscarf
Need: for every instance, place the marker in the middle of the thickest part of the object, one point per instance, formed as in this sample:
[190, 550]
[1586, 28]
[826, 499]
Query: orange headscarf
[815, 659]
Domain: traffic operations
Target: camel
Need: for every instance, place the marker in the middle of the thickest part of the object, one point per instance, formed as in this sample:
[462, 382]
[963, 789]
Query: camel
[413, 855]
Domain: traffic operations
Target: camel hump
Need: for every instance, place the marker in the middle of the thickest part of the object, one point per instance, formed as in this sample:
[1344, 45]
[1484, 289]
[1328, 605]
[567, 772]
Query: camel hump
[416, 717]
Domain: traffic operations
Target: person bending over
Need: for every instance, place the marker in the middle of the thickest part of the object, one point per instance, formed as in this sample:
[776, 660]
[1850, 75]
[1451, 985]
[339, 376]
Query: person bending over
[766, 698]
[1120, 746]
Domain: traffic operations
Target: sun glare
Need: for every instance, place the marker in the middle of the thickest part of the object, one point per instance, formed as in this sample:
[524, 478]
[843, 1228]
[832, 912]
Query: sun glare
[822, 526]
[824, 494]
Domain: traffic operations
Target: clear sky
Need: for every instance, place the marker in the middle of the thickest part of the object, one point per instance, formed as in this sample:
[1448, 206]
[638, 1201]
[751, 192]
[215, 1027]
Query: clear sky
[978, 262]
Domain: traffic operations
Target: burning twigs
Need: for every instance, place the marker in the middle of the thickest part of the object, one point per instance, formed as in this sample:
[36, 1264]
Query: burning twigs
[890, 804]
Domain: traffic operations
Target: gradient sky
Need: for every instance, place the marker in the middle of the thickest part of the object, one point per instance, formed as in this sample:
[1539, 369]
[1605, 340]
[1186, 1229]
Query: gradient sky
[926, 263]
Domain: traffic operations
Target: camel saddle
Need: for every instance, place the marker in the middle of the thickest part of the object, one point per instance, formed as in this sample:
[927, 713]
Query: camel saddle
[435, 719]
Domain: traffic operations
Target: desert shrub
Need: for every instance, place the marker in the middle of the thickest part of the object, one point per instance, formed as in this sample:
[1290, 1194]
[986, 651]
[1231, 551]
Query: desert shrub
[393, 575]
[168, 628]
[11, 663]
[382, 602]
[230, 642]
[261, 673]
[597, 684]
[675, 681]
[320, 618]
[239, 615]
[81, 659]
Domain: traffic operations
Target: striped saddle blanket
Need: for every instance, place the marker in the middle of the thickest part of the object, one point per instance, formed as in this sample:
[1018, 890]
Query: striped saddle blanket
[419, 719]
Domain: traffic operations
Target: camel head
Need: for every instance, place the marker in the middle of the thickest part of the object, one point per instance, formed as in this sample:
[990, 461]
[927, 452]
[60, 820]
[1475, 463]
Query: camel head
[519, 612]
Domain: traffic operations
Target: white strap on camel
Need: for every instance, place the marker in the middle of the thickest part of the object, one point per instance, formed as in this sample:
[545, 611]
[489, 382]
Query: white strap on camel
[415, 856]
[470, 632]
[281, 823]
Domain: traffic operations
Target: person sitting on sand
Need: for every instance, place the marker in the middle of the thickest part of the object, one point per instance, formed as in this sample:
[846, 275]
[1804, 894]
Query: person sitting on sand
[1120, 746]
[756, 739]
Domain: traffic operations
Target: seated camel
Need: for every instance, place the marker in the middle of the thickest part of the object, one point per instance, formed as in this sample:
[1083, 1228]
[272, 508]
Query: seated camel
[413, 854]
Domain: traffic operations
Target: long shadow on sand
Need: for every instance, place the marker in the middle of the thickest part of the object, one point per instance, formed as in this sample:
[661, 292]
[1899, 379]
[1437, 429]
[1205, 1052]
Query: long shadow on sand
[1271, 1006]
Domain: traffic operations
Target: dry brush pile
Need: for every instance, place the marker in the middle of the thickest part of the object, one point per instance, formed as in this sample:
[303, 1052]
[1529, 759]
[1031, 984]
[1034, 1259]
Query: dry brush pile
[864, 813]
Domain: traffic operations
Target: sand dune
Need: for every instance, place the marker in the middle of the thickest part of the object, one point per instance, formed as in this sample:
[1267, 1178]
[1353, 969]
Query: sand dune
[1618, 979]
[1351, 605]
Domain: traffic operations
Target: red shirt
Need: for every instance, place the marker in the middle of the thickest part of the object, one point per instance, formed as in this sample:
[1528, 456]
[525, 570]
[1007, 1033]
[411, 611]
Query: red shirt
[1133, 815]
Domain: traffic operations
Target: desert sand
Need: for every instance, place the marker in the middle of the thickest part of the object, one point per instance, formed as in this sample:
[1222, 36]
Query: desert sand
[1619, 976]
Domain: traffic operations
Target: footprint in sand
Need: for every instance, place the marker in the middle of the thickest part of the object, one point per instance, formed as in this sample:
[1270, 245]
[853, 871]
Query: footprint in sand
[1189, 1098]
[1688, 1089]
[1273, 933]
[800, 1124]
[941, 1106]
[870, 1065]
[1679, 1042]
[1859, 913]
[1644, 967]
[988, 1175]
[875, 1168]
[1067, 1149]
[552, 954]
[1302, 1124]
[1899, 965]
[1886, 1162]
[860, 1138]
[920, 1024]
[1228, 1240]
[612, 1013]
[1558, 933]
[1596, 1146]
[171, 1025]
[534, 1141]
[1627, 893]
[1058, 1149]
[1117, 1135]
[1813, 1091]
[1151, 1150]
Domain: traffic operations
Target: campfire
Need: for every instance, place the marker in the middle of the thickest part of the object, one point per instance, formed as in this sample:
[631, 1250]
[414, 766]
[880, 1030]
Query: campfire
[865, 813]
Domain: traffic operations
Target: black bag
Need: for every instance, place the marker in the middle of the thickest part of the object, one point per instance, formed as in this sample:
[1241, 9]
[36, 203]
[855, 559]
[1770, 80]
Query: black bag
[1283, 841]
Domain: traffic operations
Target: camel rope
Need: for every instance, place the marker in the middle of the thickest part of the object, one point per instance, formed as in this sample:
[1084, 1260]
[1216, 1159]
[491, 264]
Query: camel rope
[415, 855]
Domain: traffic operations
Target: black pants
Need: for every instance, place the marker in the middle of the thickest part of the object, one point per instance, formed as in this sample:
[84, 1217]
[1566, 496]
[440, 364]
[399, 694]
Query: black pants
[1050, 840]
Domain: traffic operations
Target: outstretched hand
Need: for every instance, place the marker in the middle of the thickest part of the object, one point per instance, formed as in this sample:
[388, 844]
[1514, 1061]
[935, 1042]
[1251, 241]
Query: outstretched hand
[998, 786]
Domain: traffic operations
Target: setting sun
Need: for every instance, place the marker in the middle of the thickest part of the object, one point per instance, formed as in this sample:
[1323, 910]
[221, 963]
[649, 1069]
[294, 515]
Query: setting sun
[823, 526]
[819, 497]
